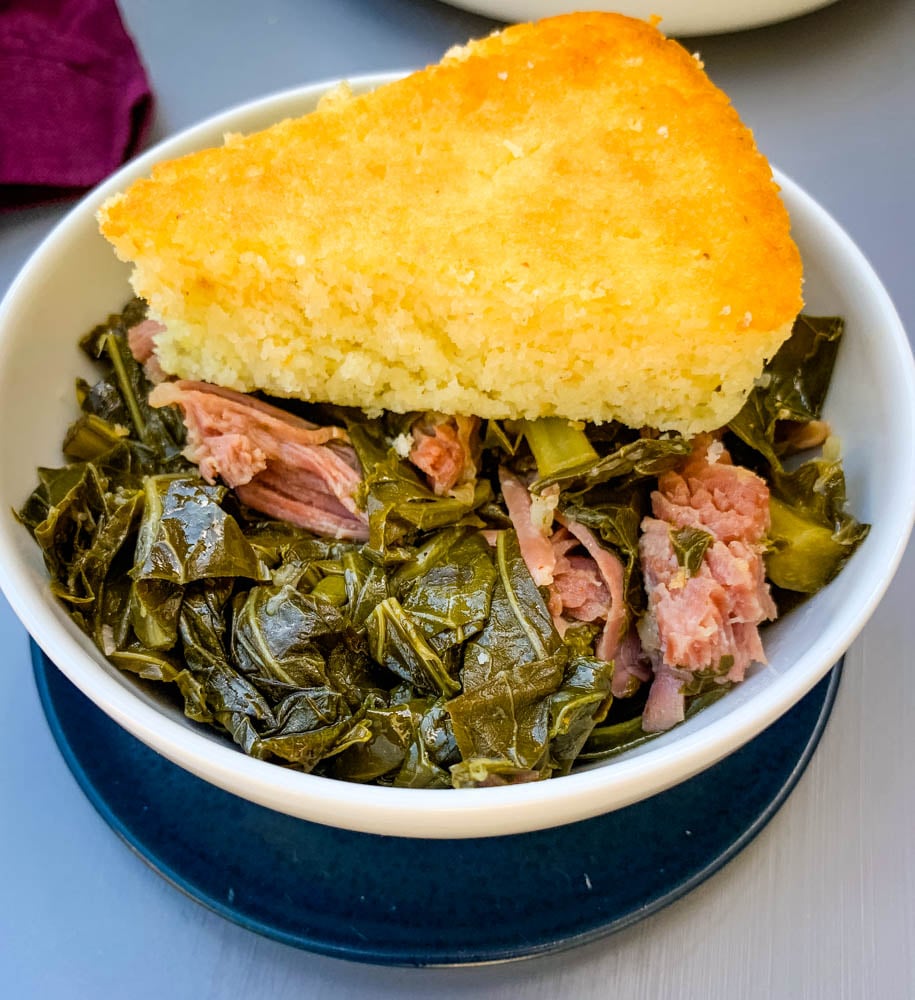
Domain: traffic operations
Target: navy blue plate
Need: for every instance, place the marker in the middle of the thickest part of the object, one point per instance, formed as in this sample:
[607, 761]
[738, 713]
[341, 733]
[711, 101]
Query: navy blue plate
[402, 901]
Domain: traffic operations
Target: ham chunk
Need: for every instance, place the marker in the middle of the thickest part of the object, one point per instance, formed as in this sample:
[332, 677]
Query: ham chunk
[584, 579]
[577, 590]
[665, 705]
[142, 344]
[631, 668]
[610, 606]
[708, 620]
[710, 493]
[533, 538]
[443, 449]
[277, 463]
[141, 339]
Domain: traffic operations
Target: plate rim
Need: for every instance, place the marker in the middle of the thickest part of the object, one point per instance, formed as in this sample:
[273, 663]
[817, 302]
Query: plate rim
[42, 665]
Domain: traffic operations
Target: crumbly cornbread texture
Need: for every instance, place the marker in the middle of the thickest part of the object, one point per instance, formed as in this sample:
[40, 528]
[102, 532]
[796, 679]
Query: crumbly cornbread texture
[565, 218]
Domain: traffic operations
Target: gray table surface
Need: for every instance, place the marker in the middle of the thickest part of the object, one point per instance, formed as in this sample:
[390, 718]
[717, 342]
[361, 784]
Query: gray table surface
[822, 904]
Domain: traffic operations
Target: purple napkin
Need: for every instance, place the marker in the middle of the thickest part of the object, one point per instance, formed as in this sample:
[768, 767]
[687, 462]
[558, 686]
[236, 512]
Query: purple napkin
[74, 98]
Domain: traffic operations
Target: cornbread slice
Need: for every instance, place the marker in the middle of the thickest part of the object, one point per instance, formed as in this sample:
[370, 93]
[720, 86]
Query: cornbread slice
[565, 218]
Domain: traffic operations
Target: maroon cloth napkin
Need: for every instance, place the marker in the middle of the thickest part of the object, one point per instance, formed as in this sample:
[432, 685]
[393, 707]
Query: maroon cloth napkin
[74, 98]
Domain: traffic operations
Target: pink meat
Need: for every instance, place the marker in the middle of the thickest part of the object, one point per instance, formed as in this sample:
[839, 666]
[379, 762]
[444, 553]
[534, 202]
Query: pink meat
[665, 706]
[631, 668]
[312, 510]
[723, 499]
[693, 622]
[612, 608]
[582, 587]
[443, 450]
[578, 590]
[536, 549]
[276, 462]
[141, 341]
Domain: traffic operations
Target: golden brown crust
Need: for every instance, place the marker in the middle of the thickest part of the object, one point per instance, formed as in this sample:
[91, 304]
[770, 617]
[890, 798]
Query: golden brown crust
[563, 218]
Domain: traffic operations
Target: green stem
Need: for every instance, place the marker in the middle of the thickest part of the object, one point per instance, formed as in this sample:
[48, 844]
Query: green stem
[558, 445]
[113, 350]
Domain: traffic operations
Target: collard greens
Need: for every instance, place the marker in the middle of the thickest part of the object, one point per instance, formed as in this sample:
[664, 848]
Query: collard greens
[426, 657]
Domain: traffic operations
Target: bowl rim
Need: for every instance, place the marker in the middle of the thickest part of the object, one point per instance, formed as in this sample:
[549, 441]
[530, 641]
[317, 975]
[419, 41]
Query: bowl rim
[434, 812]
[681, 18]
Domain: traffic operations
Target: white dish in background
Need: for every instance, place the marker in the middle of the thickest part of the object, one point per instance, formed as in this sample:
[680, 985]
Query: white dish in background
[679, 17]
[73, 279]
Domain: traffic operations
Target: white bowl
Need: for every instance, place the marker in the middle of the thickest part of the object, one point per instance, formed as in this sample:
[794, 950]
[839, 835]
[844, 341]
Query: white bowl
[73, 280]
[678, 17]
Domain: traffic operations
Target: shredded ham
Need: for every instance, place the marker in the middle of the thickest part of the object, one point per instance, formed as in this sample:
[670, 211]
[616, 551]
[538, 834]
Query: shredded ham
[631, 668]
[666, 705]
[536, 550]
[577, 589]
[141, 339]
[142, 344]
[794, 437]
[586, 588]
[613, 608]
[277, 463]
[693, 622]
[443, 449]
[723, 499]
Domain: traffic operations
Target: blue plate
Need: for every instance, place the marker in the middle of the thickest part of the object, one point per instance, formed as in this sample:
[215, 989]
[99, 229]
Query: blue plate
[402, 901]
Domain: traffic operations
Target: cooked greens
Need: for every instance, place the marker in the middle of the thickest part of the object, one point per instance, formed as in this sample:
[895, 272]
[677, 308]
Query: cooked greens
[793, 386]
[426, 656]
[813, 534]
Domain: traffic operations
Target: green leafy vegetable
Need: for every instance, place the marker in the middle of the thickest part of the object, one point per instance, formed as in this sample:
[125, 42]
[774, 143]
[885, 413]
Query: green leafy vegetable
[90, 437]
[411, 747]
[277, 636]
[478, 772]
[703, 681]
[220, 690]
[577, 707]
[398, 644]
[400, 506]
[560, 447]
[450, 597]
[690, 545]
[184, 536]
[812, 534]
[793, 385]
[428, 657]
[312, 725]
[160, 430]
[642, 458]
[82, 527]
[510, 670]
[366, 586]
[504, 437]
[579, 638]
[519, 630]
